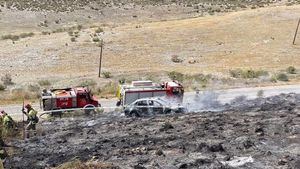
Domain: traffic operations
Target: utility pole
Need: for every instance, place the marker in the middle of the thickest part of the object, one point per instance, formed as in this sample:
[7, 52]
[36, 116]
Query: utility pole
[296, 32]
[100, 60]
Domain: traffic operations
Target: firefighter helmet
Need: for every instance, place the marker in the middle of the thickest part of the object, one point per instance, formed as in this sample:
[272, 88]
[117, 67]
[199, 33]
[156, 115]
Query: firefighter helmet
[28, 106]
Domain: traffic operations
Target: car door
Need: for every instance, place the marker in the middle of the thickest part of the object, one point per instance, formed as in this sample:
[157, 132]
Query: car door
[142, 107]
[155, 107]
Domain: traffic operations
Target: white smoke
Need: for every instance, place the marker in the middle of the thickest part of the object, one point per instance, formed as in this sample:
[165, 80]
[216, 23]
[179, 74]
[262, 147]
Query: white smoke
[203, 101]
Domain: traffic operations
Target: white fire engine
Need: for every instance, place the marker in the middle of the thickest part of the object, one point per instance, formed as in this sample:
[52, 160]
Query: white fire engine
[142, 89]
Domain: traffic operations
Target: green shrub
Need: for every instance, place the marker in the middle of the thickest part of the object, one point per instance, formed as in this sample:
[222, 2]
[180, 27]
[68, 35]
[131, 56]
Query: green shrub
[282, 77]
[7, 80]
[46, 33]
[73, 39]
[2, 87]
[79, 27]
[176, 76]
[70, 33]
[59, 30]
[106, 74]
[235, 73]
[262, 73]
[202, 78]
[99, 30]
[44, 83]
[122, 80]
[273, 79]
[17, 37]
[25, 35]
[76, 34]
[247, 74]
[89, 82]
[96, 39]
[11, 37]
[291, 70]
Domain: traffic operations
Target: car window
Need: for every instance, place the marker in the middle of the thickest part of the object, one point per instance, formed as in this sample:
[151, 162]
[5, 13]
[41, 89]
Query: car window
[141, 103]
[157, 104]
[163, 101]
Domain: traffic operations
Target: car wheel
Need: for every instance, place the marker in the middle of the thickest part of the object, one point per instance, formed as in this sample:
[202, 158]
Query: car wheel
[168, 111]
[134, 114]
[181, 110]
[126, 113]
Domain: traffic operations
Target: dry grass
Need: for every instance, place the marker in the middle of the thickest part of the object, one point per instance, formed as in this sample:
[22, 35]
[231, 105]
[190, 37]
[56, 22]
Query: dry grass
[30, 93]
[251, 40]
[44, 82]
[248, 39]
[109, 89]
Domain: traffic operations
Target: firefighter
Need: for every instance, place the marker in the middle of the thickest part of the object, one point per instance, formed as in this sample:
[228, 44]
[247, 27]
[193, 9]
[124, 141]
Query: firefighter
[32, 119]
[1, 116]
[1, 123]
[7, 123]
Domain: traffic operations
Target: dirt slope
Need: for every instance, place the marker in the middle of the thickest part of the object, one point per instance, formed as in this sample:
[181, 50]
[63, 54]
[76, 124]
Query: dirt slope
[257, 39]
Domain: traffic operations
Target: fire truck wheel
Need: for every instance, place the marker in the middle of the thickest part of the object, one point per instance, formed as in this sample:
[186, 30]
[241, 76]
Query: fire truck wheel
[88, 109]
[57, 114]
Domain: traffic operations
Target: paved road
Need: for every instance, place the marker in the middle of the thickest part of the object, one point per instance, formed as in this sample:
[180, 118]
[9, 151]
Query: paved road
[223, 96]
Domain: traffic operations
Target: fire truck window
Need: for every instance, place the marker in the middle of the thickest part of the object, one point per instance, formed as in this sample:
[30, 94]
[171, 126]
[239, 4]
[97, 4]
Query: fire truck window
[83, 96]
[176, 91]
[180, 91]
[90, 96]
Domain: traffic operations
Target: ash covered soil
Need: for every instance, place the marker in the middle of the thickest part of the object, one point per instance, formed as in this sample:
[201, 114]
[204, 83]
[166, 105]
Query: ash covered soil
[260, 133]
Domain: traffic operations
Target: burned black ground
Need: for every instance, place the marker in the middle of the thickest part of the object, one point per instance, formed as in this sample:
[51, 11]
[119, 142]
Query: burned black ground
[262, 133]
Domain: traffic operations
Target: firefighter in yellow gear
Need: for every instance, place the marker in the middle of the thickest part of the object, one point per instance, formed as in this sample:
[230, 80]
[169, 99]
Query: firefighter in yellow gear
[32, 119]
[7, 123]
[1, 123]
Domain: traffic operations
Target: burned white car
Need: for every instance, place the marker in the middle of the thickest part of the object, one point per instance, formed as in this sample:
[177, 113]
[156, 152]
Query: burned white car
[151, 106]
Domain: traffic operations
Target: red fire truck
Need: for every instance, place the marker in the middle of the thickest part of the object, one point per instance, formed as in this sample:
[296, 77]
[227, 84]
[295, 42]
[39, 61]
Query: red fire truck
[142, 89]
[68, 98]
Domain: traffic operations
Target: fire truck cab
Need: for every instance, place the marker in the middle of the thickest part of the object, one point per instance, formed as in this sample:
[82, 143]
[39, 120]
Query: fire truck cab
[174, 89]
[142, 89]
[68, 98]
